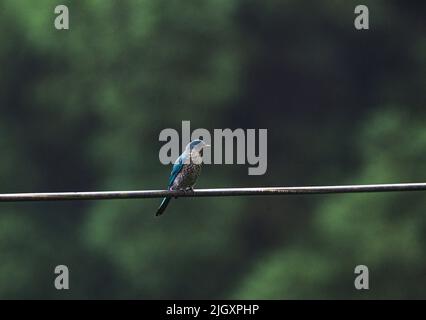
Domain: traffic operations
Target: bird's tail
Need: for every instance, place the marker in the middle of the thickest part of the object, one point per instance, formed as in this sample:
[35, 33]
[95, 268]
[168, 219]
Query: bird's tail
[163, 205]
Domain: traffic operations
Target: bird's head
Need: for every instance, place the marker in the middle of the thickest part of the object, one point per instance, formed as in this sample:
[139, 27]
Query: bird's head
[196, 145]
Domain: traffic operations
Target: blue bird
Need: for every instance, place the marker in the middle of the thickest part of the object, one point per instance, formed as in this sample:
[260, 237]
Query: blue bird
[185, 171]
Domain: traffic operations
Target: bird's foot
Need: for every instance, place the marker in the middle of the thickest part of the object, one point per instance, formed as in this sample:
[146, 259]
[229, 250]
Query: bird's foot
[175, 197]
[190, 189]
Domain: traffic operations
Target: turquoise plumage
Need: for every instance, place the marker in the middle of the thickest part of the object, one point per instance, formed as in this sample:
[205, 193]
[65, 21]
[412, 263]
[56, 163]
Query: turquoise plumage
[185, 171]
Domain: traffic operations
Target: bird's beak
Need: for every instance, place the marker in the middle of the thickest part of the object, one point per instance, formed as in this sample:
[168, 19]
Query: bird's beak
[207, 146]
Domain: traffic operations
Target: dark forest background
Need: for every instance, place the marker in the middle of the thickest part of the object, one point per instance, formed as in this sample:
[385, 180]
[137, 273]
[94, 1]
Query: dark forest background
[82, 110]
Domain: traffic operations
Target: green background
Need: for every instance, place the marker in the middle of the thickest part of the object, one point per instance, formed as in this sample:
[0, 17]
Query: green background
[82, 110]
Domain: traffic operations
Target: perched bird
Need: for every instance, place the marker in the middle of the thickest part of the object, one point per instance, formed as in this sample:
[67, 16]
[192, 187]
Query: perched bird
[185, 171]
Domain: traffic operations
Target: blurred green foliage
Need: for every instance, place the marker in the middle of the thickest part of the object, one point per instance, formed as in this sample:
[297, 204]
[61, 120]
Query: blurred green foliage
[82, 110]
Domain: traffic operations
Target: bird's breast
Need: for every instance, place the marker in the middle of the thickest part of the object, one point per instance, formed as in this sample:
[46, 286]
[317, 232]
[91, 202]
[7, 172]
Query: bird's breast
[187, 176]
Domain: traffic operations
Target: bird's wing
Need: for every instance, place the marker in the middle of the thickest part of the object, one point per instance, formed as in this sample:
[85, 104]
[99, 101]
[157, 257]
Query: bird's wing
[177, 167]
